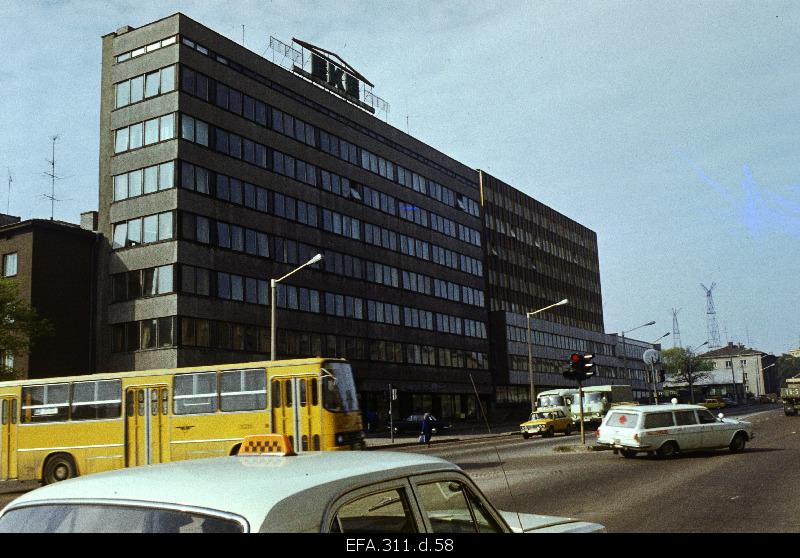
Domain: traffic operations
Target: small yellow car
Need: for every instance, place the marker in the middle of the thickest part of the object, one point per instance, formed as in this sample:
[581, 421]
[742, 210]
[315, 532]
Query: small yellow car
[713, 404]
[546, 423]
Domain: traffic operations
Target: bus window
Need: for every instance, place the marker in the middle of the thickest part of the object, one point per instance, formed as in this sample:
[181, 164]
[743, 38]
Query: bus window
[243, 390]
[338, 388]
[288, 398]
[195, 393]
[46, 403]
[96, 400]
[276, 394]
[302, 392]
[314, 396]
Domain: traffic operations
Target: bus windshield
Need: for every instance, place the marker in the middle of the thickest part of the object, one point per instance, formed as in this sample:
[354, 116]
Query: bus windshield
[551, 401]
[338, 388]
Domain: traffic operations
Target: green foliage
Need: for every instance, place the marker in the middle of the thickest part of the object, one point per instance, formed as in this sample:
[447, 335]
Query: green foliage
[677, 362]
[19, 323]
[787, 366]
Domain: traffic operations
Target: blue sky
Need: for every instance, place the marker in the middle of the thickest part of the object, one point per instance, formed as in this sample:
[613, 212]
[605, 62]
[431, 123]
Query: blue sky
[669, 128]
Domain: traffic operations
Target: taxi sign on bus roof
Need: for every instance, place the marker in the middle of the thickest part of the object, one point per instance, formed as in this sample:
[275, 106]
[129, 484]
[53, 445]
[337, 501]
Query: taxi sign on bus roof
[266, 444]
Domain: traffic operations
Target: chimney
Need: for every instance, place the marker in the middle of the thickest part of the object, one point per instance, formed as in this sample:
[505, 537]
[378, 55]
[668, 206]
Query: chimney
[89, 220]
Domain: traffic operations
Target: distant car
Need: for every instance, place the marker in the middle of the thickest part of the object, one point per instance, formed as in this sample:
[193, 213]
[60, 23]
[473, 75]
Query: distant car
[413, 425]
[340, 492]
[730, 402]
[713, 403]
[667, 430]
[546, 424]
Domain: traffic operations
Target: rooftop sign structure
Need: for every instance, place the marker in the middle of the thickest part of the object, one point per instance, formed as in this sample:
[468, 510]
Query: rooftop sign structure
[327, 70]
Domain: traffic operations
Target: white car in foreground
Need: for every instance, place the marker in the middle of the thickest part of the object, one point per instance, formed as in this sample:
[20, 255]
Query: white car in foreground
[342, 492]
[668, 429]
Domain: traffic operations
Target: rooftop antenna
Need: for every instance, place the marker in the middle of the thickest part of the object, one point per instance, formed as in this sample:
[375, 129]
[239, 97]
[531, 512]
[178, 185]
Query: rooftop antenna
[711, 318]
[242, 34]
[676, 332]
[53, 178]
[10, 180]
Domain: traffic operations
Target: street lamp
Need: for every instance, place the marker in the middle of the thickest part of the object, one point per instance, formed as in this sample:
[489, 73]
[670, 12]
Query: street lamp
[530, 352]
[624, 355]
[273, 283]
[653, 371]
[689, 365]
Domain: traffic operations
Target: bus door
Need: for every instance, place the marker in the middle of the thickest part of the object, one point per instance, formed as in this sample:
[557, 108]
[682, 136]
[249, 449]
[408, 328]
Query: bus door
[296, 411]
[8, 438]
[146, 425]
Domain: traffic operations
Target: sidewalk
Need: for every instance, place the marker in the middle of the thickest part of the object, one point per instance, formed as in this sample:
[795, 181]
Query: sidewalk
[459, 432]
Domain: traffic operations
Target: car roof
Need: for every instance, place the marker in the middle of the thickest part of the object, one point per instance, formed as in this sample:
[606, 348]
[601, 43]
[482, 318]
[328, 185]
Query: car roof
[657, 408]
[248, 486]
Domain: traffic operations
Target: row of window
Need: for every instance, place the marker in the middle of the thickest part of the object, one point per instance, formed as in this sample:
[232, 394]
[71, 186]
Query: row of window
[143, 230]
[230, 286]
[144, 181]
[235, 101]
[196, 332]
[144, 133]
[194, 393]
[145, 86]
[560, 341]
[197, 131]
[145, 49]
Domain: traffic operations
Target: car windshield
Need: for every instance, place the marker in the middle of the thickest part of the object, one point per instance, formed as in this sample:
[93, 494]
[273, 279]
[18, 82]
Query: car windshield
[551, 401]
[338, 388]
[539, 416]
[100, 518]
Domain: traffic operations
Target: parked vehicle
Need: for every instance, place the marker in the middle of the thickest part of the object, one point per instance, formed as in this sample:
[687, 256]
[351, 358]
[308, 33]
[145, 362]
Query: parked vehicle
[270, 488]
[546, 423]
[667, 430]
[790, 394]
[412, 424]
[597, 400]
[557, 399]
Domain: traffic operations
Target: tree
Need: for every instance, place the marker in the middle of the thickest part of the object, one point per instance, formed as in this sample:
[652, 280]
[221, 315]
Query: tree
[787, 366]
[683, 367]
[19, 325]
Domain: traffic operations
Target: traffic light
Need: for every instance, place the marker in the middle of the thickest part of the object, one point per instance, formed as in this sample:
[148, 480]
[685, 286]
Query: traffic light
[580, 367]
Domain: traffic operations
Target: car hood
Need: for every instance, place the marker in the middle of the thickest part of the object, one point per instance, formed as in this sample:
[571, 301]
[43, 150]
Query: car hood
[536, 422]
[534, 523]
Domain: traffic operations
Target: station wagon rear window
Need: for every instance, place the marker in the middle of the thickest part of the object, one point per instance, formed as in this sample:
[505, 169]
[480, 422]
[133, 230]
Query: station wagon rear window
[622, 420]
[658, 420]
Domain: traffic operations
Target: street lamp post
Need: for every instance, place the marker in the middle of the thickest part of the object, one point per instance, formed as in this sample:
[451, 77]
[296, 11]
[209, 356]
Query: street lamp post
[689, 351]
[624, 353]
[530, 351]
[653, 371]
[273, 283]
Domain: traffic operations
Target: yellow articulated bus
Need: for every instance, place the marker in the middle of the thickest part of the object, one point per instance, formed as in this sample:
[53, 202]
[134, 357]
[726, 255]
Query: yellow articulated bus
[57, 428]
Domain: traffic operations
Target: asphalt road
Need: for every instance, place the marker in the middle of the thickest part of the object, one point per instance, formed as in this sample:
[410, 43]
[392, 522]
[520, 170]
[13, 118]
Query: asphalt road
[714, 491]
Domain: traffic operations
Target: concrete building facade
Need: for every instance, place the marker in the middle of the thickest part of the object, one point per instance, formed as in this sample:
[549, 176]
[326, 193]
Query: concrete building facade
[53, 264]
[220, 170]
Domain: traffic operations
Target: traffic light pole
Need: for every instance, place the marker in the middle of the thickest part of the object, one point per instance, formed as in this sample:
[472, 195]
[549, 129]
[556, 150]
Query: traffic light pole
[391, 422]
[580, 404]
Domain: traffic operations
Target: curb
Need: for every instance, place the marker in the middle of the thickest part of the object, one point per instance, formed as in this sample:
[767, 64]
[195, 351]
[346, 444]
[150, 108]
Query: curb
[389, 446]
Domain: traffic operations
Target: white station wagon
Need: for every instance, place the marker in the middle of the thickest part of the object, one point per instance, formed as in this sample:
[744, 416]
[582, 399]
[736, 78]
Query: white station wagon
[666, 430]
[340, 492]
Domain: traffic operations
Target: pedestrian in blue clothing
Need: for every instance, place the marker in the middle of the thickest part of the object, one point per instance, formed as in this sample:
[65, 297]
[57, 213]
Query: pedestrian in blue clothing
[427, 429]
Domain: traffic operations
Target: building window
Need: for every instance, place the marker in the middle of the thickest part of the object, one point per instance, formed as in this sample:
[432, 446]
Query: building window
[10, 264]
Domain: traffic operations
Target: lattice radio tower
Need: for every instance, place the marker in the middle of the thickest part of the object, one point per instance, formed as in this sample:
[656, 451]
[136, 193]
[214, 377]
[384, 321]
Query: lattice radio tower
[711, 318]
[676, 332]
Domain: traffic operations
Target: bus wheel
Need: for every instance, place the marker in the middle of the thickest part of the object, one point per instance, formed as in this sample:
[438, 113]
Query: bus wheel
[59, 467]
[235, 449]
